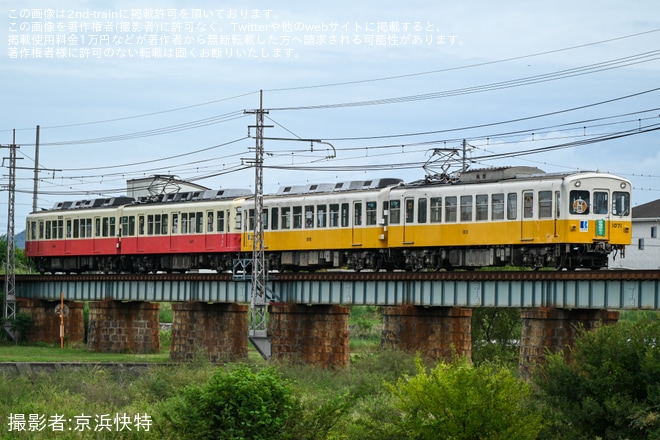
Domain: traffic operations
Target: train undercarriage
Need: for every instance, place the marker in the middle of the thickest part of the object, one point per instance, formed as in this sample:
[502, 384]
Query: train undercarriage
[557, 256]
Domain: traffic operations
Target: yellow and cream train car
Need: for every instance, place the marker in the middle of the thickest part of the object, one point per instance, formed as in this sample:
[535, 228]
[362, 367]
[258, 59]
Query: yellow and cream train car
[493, 217]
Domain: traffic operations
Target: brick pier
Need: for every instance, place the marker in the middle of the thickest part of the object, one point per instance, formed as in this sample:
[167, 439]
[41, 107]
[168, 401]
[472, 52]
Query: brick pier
[434, 332]
[219, 331]
[123, 327]
[555, 330]
[316, 335]
[46, 322]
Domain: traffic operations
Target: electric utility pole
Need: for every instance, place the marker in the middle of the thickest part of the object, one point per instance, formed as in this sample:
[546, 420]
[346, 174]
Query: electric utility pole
[9, 309]
[258, 302]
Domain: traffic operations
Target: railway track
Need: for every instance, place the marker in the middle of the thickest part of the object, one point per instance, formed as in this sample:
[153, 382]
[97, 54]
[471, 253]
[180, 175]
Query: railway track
[604, 275]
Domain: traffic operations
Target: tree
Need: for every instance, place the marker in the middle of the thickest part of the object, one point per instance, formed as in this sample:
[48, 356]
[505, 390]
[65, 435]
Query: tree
[237, 403]
[610, 389]
[462, 401]
[496, 335]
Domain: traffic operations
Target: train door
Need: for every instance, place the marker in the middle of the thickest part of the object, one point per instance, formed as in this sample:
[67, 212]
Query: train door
[174, 233]
[141, 233]
[96, 242]
[210, 233]
[527, 218]
[408, 219]
[357, 223]
[68, 236]
[600, 210]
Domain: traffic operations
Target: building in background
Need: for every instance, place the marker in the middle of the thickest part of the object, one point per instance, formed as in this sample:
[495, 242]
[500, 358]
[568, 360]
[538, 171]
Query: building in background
[644, 251]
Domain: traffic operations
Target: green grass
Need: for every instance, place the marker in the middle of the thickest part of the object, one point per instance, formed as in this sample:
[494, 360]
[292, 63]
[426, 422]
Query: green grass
[51, 353]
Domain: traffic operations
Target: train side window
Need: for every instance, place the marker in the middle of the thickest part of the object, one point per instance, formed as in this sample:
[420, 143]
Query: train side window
[410, 210]
[97, 226]
[47, 229]
[150, 224]
[579, 202]
[264, 218]
[528, 204]
[210, 221]
[451, 207]
[184, 222]
[395, 212]
[436, 209]
[497, 206]
[297, 217]
[55, 228]
[334, 215]
[274, 218]
[309, 216]
[372, 213]
[321, 215]
[41, 230]
[69, 228]
[220, 221]
[76, 228]
[421, 210]
[344, 215]
[158, 223]
[239, 219]
[33, 230]
[620, 203]
[545, 204]
[482, 207]
[466, 208]
[200, 222]
[163, 230]
[357, 217]
[250, 219]
[140, 225]
[557, 204]
[286, 218]
[89, 227]
[175, 223]
[105, 229]
[511, 206]
[600, 202]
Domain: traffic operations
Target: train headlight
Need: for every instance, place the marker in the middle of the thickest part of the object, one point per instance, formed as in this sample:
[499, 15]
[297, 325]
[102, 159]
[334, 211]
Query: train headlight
[577, 183]
[623, 185]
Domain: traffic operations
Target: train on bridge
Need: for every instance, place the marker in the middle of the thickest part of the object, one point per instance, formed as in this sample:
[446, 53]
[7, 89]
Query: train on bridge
[516, 216]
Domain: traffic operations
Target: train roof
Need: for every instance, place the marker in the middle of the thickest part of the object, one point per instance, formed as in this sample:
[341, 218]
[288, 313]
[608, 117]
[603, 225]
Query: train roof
[353, 185]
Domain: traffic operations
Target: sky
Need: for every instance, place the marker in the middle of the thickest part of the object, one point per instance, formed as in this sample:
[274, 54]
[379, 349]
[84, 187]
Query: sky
[350, 91]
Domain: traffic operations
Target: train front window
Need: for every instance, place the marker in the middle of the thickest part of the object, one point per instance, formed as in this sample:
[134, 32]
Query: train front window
[545, 204]
[395, 212]
[436, 209]
[450, 209]
[579, 202]
[620, 203]
[497, 206]
[372, 214]
[600, 202]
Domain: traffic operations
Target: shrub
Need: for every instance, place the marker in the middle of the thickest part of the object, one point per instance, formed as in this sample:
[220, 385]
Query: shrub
[238, 403]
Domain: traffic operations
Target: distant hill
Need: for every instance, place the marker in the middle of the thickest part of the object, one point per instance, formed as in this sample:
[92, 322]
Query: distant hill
[19, 240]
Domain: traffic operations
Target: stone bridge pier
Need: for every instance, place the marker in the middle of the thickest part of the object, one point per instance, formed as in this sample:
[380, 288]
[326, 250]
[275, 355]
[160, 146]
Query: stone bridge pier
[216, 330]
[123, 327]
[433, 332]
[46, 320]
[555, 330]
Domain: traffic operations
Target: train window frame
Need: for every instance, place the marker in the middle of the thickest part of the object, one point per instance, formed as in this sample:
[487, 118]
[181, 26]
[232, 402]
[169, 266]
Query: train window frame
[345, 215]
[422, 207]
[60, 228]
[621, 198]
[210, 221]
[274, 218]
[466, 208]
[48, 230]
[497, 206]
[220, 221]
[409, 209]
[175, 223]
[600, 202]
[105, 226]
[395, 211]
[321, 216]
[481, 207]
[512, 206]
[579, 202]
[528, 204]
[33, 230]
[357, 213]
[285, 216]
[164, 218]
[199, 222]
[435, 206]
[250, 222]
[654, 232]
[545, 204]
[184, 223]
[451, 209]
[97, 227]
[372, 212]
[297, 217]
[41, 229]
[333, 221]
[264, 218]
[309, 216]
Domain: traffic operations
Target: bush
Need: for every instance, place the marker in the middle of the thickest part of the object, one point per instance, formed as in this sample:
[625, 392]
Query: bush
[238, 403]
[461, 401]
